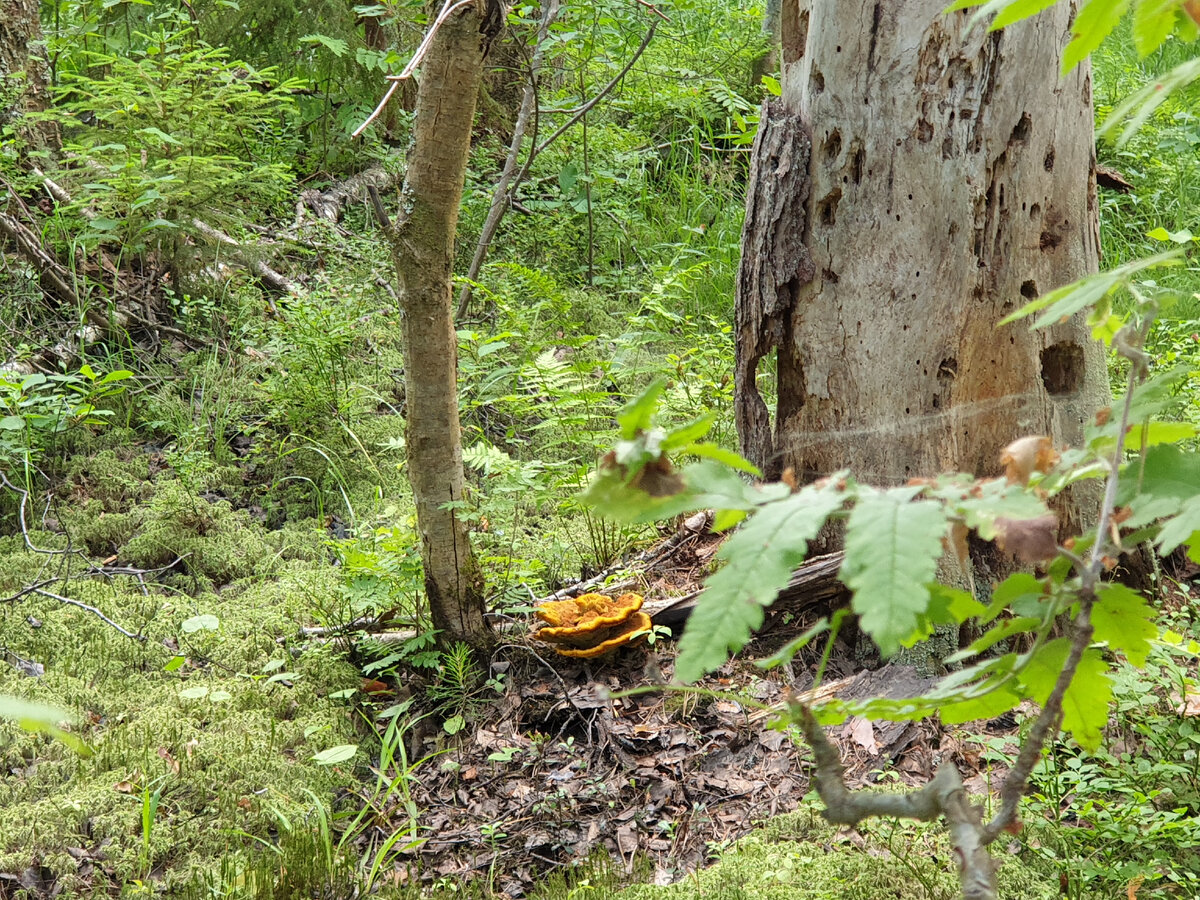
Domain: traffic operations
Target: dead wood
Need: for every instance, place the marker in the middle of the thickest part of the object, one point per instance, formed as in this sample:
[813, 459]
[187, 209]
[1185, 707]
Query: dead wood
[330, 204]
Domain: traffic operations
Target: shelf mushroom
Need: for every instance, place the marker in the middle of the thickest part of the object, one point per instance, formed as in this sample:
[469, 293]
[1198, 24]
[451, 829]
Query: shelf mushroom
[592, 624]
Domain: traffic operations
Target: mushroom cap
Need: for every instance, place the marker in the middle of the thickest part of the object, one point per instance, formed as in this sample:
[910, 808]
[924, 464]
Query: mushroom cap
[631, 630]
[589, 612]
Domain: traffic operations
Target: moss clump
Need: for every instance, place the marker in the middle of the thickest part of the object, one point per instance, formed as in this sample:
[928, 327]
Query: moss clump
[219, 544]
[798, 856]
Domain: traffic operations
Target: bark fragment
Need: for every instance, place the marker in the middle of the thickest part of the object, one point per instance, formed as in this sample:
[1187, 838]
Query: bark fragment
[775, 264]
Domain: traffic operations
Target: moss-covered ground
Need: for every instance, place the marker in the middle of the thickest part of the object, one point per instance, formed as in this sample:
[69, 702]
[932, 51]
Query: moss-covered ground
[798, 856]
[201, 730]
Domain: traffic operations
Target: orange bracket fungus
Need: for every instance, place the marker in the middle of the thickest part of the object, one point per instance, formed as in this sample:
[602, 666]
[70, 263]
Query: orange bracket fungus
[591, 624]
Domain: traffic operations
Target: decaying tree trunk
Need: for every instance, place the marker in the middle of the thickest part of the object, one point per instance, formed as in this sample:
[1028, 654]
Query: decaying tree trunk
[916, 183]
[422, 243]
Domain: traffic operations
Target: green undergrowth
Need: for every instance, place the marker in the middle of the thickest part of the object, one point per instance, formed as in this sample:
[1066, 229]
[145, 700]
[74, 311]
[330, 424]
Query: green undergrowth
[798, 856]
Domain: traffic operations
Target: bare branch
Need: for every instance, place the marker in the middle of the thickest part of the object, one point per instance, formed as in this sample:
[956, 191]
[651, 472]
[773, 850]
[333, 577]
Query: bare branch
[61, 599]
[1047, 723]
[509, 180]
[604, 92]
[944, 795]
[421, 50]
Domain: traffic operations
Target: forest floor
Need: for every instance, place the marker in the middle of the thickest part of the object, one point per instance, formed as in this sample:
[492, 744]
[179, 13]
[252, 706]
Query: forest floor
[233, 752]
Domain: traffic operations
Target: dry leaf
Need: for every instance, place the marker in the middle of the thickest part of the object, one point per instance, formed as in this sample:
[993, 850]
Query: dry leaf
[957, 541]
[165, 755]
[1027, 455]
[863, 733]
[1030, 540]
[1190, 707]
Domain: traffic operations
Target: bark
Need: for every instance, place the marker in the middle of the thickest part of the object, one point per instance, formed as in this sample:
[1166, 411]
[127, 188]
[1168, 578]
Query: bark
[23, 64]
[422, 243]
[950, 181]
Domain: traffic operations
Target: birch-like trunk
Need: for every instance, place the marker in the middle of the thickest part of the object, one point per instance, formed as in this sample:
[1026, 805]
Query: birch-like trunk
[422, 242]
[917, 183]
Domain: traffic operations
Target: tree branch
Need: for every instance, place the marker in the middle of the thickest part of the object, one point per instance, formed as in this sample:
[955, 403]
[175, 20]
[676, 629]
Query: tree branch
[944, 795]
[1047, 722]
[509, 180]
[604, 92]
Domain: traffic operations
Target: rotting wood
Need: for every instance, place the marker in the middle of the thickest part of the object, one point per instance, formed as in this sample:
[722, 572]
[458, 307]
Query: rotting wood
[330, 204]
[775, 264]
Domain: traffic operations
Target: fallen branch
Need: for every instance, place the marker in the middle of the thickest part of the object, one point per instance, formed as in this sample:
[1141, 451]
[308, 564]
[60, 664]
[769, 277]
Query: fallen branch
[330, 203]
[272, 279]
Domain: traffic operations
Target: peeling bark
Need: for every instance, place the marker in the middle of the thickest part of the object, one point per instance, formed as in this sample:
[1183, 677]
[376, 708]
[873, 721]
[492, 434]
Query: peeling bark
[775, 265]
[950, 182]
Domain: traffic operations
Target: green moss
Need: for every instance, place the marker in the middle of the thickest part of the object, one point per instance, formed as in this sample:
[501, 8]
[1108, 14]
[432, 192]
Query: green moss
[225, 764]
[799, 857]
[219, 543]
[114, 478]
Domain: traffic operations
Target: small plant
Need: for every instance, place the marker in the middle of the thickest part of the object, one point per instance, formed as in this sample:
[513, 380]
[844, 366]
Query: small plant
[35, 410]
[158, 117]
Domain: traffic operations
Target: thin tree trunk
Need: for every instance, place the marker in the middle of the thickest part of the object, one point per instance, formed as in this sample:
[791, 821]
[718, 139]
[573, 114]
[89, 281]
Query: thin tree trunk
[502, 193]
[23, 65]
[422, 243]
[949, 180]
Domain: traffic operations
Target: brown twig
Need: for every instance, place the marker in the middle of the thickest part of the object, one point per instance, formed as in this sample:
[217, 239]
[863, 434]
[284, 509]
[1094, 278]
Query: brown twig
[944, 795]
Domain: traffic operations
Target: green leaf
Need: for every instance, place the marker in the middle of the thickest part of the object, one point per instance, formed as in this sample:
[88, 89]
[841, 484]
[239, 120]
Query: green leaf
[194, 693]
[174, 664]
[12, 423]
[1016, 10]
[152, 131]
[721, 455]
[761, 558]
[1175, 237]
[1069, 299]
[1153, 20]
[204, 622]
[987, 706]
[1123, 619]
[1183, 528]
[454, 725]
[686, 434]
[334, 755]
[1021, 592]
[1093, 23]
[638, 413]
[337, 46]
[1166, 479]
[1085, 704]
[993, 636]
[42, 718]
[1152, 433]
[892, 549]
[1140, 105]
